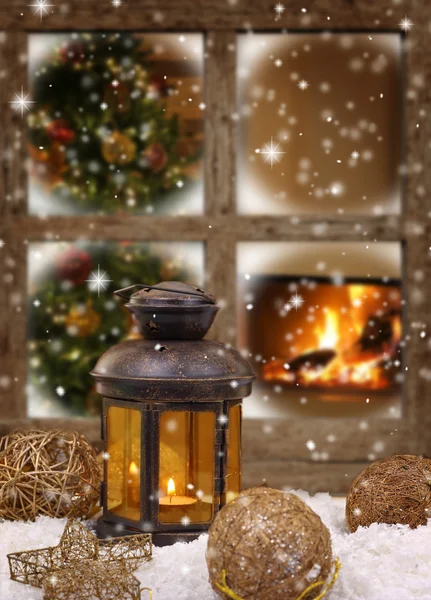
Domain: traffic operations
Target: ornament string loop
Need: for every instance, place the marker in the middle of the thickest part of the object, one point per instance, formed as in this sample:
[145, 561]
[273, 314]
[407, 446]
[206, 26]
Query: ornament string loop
[147, 589]
[222, 586]
[319, 583]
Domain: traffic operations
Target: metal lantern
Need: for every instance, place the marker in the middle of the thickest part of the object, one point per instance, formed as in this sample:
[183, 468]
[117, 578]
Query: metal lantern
[171, 418]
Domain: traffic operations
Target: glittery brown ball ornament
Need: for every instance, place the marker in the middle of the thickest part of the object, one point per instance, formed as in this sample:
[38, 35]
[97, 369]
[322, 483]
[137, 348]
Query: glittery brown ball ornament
[396, 489]
[267, 544]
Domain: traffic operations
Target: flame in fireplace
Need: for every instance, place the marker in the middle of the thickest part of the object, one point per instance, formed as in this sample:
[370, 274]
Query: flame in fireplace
[328, 337]
[356, 348]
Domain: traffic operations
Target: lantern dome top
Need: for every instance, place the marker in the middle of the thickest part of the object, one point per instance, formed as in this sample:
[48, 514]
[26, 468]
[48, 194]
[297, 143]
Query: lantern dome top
[171, 293]
[170, 310]
[188, 370]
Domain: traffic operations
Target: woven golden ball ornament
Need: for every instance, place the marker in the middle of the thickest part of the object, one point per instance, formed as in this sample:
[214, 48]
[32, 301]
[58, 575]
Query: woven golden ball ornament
[396, 489]
[53, 473]
[267, 544]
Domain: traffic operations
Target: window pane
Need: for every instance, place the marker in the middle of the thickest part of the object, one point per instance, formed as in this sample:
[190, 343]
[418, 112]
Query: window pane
[323, 325]
[186, 477]
[124, 464]
[116, 125]
[329, 105]
[233, 474]
[72, 320]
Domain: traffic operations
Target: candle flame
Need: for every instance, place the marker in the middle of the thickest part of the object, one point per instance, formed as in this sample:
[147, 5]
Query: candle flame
[171, 487]
[133, 468]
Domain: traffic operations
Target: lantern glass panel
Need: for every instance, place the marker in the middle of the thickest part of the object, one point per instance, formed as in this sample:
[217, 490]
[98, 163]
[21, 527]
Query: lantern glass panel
[233, 476]
[186, 467]
[124, 463]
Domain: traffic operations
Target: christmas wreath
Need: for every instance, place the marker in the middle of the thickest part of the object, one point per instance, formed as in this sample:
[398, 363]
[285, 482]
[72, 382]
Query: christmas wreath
[100, 137]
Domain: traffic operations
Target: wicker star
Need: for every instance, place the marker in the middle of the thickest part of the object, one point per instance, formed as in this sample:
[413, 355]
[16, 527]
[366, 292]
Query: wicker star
[79, 548]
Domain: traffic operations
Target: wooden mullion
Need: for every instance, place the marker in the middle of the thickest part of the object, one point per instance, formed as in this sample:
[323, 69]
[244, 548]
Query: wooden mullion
[313, 476]
[13, 126]
[13, 340]
[167, 15]
[242, 227]
[221, 276]
[376, 437]
[220, 125]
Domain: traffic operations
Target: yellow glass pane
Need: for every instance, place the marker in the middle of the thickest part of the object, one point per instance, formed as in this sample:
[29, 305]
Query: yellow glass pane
[186, 467]
[233, 474]
[321, 123]
[124, 463]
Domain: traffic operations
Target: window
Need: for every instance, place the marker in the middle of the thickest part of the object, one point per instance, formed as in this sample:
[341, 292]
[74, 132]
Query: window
[223, 153]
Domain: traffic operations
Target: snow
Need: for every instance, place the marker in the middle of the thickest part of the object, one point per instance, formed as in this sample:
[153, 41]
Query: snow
[379, 563]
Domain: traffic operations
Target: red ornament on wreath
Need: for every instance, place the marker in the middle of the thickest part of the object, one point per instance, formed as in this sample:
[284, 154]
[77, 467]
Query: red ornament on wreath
[158, 86]
[59, 131]
[73, 265]
[73, 52]
[156, 156]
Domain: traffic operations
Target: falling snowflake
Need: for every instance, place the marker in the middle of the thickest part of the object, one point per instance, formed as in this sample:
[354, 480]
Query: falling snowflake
[60, 391]
[98, 281]
[36, 303]
[296, 301]
[223, 419]
[1, 243]
[234, 384]
[41, 7]
[117, 3]
[185, 521]
[278, 62]
[311, 445]
[180, 183]
[202, 106]
[104, 106]
[22, 102]
[115, 83]
[106, 456]
[279, 9]
[270, 152]
[199, 494]
[303, 85]
[355, 155]
[406, 24]
[249, 306]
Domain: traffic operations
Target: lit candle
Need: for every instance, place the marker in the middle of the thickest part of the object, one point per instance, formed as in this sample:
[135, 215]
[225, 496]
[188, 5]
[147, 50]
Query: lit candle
[172, 499]
[133, 487]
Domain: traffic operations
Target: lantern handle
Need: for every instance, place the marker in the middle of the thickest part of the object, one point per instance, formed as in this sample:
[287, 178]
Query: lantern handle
[205, 295]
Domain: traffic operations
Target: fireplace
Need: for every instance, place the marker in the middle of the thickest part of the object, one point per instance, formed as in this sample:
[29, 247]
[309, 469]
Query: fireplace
[323, 339]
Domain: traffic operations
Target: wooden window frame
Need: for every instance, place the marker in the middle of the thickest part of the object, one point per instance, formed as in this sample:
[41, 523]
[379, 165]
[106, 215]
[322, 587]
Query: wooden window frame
[282, 456]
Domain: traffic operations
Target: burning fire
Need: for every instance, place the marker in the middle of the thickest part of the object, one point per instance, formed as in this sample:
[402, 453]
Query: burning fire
[356, 349]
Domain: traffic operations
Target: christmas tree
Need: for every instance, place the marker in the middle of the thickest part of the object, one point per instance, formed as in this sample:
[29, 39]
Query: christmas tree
[72, 320]
[100, 139]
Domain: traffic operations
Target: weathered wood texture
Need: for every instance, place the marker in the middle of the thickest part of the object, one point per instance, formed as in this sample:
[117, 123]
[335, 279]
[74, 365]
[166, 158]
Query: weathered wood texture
[333, 477]
[209, 15]
[275, 450]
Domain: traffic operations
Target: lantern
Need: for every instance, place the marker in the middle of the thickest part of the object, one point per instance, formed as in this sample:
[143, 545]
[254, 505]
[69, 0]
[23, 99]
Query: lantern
[171, 419]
